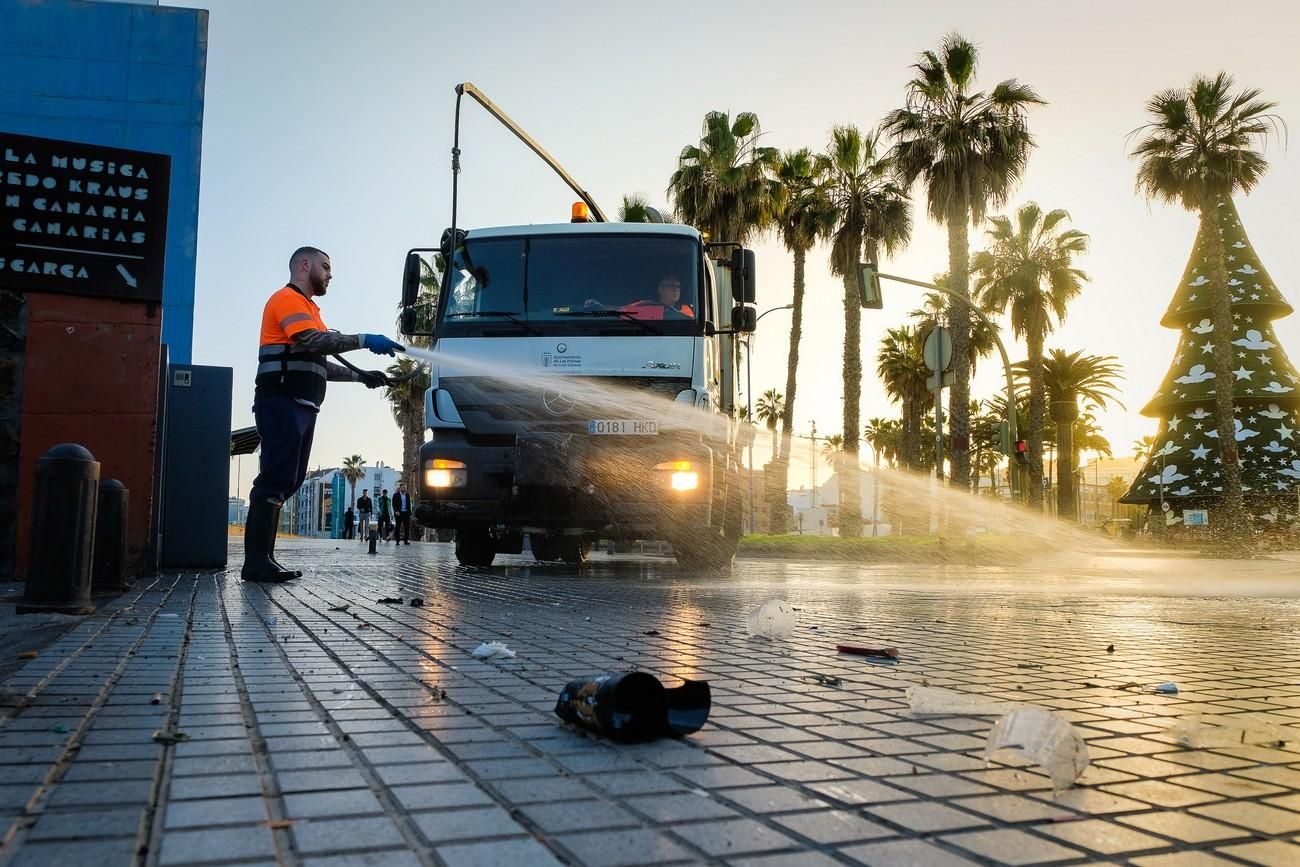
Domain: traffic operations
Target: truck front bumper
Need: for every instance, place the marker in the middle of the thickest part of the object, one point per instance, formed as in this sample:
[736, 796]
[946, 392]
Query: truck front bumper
[554, 482]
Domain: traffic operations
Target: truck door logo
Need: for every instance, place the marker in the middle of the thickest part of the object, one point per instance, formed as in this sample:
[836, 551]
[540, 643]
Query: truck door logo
[557, 402]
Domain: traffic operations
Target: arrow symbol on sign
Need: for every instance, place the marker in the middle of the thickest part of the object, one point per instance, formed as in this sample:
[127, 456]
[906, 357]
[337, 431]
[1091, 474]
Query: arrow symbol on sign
[126, 275]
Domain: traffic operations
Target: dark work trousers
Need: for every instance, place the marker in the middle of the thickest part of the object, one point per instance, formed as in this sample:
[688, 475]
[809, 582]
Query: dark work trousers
[286, 428]
[403, 526]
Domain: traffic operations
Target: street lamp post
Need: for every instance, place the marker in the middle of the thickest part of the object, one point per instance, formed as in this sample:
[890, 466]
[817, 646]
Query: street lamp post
[749, 404]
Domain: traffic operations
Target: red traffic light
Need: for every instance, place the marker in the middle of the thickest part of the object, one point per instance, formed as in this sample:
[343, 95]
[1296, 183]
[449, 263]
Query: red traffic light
[1022, 451]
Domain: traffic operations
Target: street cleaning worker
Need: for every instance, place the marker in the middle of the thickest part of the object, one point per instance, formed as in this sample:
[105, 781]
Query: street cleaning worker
[292, 371]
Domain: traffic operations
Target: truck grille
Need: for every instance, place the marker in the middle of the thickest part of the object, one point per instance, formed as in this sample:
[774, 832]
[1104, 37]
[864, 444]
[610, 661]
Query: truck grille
[493, 408]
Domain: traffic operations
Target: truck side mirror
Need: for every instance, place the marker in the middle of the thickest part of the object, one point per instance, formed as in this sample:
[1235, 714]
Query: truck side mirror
[410, 280]
[742, 275]
[410, 320]
[744, 319]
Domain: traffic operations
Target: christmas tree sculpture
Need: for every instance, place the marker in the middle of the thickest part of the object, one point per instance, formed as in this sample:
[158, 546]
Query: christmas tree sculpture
[1183, 468]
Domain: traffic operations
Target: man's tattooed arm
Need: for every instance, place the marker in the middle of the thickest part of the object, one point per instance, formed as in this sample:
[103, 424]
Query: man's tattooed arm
[326, 342]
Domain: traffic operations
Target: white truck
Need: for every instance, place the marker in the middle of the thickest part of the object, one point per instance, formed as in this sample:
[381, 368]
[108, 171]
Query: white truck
[583, 385]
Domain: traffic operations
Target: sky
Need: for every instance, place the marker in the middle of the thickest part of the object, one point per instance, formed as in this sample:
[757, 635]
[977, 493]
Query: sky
[329, 123]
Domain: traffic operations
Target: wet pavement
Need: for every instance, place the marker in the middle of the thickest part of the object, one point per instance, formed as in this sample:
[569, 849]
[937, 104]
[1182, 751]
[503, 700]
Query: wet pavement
[324, 735]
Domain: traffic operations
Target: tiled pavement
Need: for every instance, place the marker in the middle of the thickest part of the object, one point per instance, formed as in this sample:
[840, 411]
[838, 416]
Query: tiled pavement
[371, 736]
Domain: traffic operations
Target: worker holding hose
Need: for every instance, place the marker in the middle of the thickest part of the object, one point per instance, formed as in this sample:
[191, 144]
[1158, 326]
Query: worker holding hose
[292, 370]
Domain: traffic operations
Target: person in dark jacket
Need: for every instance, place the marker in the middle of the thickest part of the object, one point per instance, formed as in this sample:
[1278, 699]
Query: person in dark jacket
[348, 521]
[402, 511]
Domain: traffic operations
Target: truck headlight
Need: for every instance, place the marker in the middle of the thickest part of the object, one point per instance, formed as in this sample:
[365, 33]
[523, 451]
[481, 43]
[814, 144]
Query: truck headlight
[683, 475]
[439, 473]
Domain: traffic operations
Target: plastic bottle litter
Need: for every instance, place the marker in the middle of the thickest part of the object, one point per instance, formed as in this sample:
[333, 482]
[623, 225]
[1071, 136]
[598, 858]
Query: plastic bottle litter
[634, 706]
[1045, 739]
[1167, 688]
[493, 650]
[933, 701]
[773, 619]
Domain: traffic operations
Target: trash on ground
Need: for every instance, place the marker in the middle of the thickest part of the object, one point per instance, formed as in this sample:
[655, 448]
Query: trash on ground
[634, 706]
[157, 698]
[339, 607]
[391, 600]
[1110, 648]
[493, 650]
[163, 737]
[1214, 732]
[280, 824]
[1166, 688]
[651, 632]
[271, 621]
[936, 701]
[773, 619]
[59, 729]
[28, 654]
[416, 602]
[1044, 738]
[826, 679]
[169, 615]
[873, 652]
[1037, 665]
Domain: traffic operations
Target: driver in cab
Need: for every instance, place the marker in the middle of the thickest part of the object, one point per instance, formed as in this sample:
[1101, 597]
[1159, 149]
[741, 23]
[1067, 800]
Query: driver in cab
[668, 305]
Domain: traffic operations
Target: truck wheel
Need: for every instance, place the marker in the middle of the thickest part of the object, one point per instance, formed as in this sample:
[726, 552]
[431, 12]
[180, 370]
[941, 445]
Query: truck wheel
[475, 547]
[544, 547]
[707, 550]
[574, 550]
[444, 535]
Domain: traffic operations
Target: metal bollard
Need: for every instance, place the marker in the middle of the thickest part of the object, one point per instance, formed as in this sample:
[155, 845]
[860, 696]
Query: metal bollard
[109, 572]
[63, 532]
[372, 543]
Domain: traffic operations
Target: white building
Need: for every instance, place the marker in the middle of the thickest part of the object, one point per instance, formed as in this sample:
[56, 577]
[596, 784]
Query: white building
[816, 516]
[313, 505]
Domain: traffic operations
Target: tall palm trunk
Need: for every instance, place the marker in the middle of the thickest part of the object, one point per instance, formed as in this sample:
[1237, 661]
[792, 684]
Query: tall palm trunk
[1034, 343]
[959, 322]
[778, 517]
[1064, 414]
[1233, 521]
[850, 492]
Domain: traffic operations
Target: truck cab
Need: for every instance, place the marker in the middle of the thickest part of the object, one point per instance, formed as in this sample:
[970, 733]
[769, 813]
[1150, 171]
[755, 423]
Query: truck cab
[583, 386]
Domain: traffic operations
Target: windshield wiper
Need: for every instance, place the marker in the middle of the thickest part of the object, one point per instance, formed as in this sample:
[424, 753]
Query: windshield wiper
[623, 314]
[504, 314]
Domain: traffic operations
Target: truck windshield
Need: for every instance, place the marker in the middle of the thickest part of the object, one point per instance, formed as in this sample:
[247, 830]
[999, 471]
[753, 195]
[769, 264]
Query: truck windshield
[593, 283]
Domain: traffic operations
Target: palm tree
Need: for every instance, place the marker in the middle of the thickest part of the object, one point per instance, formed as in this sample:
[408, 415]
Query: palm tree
[832, 451]
[1200, 147]
[1068, 378]
[353, 472]
[883, 436]
[1029, 268]
[804, 215]
[903, 372]
[969, 148]
[768, 411]
[724, 185]
[636, 208]
[871, 211]
[1143, 447]
[406, 396]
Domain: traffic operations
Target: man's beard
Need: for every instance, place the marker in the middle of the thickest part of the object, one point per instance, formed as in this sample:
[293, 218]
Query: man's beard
[317, 283]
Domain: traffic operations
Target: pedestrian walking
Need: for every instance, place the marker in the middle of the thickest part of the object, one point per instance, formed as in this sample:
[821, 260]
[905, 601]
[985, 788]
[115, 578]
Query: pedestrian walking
[385, 515]
[292, 371]
[349, 519]
[365, 507]
[402, 513]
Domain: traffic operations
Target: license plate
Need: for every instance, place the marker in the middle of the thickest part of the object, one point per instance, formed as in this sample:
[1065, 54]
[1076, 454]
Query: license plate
[622, 427]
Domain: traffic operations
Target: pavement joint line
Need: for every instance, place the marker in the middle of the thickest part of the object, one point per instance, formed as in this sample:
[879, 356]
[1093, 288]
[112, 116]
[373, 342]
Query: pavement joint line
[411, 835]
[150, 835]
[514, 811]
[648, 821]
[272, 797]
[19, 829]
[35, 690]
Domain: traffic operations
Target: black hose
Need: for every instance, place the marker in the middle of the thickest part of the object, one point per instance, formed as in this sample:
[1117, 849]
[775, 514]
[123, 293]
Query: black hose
[388, 380]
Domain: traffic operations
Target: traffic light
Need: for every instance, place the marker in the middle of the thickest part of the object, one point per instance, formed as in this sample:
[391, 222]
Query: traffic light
[1004, 438]
[869, 285]
[1022, 452]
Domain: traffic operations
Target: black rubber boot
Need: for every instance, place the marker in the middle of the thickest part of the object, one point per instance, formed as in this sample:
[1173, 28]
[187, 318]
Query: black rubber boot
[259, 534]
[275, 523]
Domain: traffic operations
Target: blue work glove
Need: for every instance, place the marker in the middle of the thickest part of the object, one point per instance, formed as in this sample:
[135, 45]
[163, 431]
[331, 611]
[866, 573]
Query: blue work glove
[380, 345]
